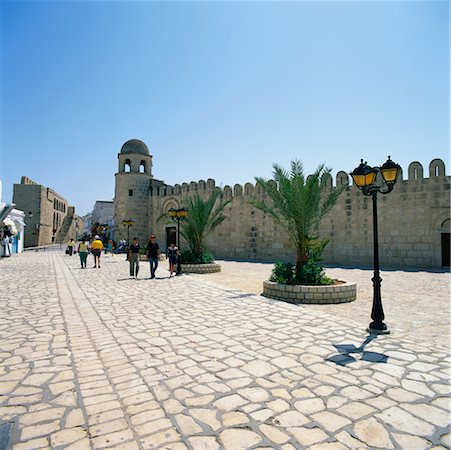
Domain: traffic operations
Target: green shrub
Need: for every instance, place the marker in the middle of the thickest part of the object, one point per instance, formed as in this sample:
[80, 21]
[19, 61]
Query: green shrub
[282, 273]
[312, 272]
[189, 257]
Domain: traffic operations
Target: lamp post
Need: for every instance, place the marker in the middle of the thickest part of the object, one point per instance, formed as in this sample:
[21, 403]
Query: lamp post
[364, 177]
[177, 215]
[128, 223]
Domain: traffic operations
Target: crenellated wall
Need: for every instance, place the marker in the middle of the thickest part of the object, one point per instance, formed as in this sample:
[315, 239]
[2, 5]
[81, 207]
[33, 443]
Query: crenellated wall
[412, 219]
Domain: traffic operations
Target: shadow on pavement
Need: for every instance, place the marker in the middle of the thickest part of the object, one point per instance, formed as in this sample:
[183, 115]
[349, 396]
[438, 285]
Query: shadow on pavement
[243, 295]
[345, 352]
[390, 269]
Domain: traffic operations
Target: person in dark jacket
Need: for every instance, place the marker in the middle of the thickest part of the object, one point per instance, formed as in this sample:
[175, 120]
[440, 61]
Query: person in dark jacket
[133, 257]
[153, 252]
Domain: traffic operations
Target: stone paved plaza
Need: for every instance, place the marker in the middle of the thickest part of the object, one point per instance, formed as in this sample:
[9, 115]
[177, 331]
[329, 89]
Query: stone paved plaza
[92, 359]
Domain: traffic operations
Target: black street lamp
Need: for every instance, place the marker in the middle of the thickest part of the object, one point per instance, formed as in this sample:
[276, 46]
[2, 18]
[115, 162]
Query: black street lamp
[178, 215]
[128, 223]
[364, 177]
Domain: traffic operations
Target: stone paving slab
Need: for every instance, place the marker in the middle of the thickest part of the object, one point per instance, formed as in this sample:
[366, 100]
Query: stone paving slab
[92, 359]
[416, 302]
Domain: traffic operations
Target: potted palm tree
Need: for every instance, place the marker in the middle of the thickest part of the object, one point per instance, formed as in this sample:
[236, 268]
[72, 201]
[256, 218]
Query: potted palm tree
[298, 204]
[203, 217]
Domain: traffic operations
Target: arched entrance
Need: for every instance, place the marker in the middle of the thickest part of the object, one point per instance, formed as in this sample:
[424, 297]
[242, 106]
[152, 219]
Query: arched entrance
[446, 244]
[171, 236]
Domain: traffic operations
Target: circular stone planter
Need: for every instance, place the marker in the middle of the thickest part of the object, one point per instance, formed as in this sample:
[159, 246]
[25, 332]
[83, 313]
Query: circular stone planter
[201, 268]
[342, 292]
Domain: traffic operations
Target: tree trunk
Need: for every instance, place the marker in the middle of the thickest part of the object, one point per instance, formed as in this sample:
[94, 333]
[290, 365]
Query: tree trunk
[300, 261]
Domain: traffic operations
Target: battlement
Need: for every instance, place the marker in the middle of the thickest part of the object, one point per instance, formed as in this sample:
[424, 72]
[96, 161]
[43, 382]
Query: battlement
[414, 172]
[26, 180]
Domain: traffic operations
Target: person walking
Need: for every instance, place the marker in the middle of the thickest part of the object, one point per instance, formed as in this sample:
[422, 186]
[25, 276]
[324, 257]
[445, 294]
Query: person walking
[153, 252]
[96, 250]
[71, 247]
[171, 254]
[111, 246]
[83, 250]
[133, 257]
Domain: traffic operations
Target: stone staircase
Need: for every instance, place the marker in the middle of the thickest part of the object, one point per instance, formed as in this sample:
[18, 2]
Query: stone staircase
[67, 231]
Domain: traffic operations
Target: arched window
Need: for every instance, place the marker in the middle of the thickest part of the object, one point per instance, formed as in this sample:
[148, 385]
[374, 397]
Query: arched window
[142, 167]
[127, 165]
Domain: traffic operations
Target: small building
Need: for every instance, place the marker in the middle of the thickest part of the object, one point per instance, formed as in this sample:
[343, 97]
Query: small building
[12, 231]
[48, 216]
[11, 228]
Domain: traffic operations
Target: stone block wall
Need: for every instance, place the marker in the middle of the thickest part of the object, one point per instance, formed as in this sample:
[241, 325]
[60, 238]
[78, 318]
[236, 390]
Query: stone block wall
[29, 198]
[411, 220]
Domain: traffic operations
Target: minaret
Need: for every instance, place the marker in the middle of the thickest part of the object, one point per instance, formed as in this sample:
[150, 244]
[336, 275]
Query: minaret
[132, 190]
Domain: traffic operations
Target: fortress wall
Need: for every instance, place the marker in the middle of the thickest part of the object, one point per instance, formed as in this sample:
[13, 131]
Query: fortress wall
[410, 221]
[245, 234]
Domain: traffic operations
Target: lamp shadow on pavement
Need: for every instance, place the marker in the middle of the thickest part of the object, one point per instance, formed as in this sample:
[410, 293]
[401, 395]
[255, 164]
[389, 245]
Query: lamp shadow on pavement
[346, 352]
[243, 295]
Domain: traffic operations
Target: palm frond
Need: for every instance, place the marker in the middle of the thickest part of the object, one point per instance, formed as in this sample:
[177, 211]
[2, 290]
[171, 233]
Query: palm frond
[297, 203]
[202, 219]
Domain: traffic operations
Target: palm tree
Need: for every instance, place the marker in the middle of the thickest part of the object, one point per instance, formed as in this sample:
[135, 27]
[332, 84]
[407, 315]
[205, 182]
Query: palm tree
[202, 219]
[298, 205]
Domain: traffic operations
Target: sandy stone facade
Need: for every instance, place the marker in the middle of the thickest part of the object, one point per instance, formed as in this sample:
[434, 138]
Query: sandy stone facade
[48, 216]
[103, 212]
[414, 219]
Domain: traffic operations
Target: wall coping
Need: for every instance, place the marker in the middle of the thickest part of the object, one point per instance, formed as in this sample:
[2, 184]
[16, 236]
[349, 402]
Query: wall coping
[201, 268]
[343, 292]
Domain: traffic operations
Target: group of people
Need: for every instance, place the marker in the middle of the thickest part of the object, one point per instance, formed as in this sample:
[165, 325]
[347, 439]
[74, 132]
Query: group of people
[84, 247]
[134, 250]
[153, 255]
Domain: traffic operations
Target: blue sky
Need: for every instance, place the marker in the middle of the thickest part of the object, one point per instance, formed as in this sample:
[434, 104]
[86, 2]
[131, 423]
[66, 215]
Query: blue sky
[218, 89]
